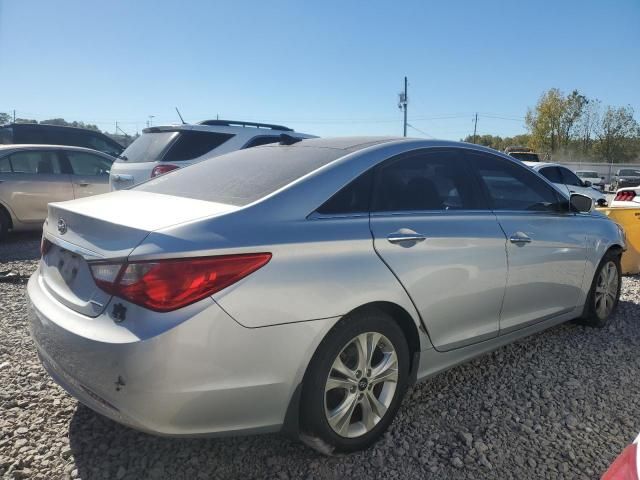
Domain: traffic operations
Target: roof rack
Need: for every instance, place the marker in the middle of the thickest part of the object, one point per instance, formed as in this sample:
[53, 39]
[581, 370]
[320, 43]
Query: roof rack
[233, 123]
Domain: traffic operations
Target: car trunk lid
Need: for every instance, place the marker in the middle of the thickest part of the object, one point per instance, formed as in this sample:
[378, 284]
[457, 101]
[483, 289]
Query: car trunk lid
[106, 228]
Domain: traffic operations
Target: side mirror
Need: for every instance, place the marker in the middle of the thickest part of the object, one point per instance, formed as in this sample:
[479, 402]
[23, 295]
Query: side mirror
[587, 183]
[581, 203]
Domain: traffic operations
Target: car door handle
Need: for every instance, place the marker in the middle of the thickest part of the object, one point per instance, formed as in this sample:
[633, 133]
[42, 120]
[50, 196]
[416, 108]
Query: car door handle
[83, 184]
[405, 235]
[121, 178]
[519, 238]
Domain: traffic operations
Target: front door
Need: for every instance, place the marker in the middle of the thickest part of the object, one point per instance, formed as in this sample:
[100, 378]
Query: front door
[546, 245]
[433, 229]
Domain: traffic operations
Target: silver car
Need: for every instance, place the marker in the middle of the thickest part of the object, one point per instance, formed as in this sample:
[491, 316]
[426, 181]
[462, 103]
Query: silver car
[303, 287]
[31, 176]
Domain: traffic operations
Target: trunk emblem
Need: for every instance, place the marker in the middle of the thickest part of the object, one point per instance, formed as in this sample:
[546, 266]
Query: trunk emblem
[62, 226]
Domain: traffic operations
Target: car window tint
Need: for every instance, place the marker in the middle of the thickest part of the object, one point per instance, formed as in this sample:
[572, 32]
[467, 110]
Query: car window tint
[29, 134]
[193, 144]
[244, 176]
[570, 178]
[354, 198]
[257, 141]
[5, 166]
[35, 162]
[83, 163]
[6, 136]
[514, 187]
[552, 174]
[148, 147]
[432, 180]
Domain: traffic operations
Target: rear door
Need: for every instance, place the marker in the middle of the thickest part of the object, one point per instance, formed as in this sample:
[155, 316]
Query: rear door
[546, 247]
[36, 178]
[434, 230]
[89, 173]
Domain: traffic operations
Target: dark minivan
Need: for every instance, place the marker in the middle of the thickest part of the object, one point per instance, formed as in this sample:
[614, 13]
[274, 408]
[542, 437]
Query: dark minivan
[42, 134]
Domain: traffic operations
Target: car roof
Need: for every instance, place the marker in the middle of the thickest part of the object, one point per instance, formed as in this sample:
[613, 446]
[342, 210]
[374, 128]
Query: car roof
[40, 146]
[227, 126]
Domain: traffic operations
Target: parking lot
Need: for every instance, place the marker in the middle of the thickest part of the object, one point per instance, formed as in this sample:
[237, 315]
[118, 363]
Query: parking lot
[560, 404]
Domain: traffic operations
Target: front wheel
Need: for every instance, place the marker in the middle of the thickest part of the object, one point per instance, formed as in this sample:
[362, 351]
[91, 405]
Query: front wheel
[603, 297]
[355, 383]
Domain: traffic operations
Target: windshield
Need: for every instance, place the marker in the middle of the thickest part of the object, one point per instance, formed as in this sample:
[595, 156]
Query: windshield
[629, 172]
[525, 156]
[585, 174]
[147, 148]
[243, 176]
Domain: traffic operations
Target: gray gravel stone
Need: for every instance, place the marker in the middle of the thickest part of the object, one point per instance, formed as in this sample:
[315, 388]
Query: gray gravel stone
[560, 404]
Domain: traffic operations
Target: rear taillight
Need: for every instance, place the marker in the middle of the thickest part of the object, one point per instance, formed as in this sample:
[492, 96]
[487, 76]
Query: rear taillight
[165, 285]
[45, 245]
[625, 196]
[162, 169]
[624, 467]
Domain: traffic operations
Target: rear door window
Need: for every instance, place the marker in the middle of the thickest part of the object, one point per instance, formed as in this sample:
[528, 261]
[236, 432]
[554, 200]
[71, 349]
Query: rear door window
[192, 144]
[354, 198]
[430, 180]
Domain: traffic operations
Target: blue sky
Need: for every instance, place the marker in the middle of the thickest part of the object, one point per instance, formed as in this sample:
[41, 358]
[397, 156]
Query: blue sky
[329, 68]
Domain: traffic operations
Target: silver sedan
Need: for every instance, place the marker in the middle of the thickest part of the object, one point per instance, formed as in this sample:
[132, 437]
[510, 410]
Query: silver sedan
[302, 287]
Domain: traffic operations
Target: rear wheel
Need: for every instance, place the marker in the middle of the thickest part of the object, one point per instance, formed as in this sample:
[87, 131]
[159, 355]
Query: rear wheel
[605, 291]
[355, 383]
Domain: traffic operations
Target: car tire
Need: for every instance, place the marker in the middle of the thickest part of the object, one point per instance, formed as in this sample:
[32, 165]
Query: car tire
[605, 287]
[349, 399]
[4, 224]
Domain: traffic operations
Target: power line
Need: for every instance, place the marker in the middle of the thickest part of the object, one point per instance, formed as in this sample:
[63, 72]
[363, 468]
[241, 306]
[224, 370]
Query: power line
[421, 131]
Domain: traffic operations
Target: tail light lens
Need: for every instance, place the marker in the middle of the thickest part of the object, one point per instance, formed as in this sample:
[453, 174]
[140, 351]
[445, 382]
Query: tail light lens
[162, 169]
[625, 196]
[166, 285]
[624, 467]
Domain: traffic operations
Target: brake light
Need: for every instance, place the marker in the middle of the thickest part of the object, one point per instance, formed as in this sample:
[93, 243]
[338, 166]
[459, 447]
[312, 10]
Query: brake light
[624, 467]
[165, 285]
[162, 169]
[625, 196]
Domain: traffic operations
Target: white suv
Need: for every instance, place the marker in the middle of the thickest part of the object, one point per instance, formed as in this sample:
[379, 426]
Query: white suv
[162, 149]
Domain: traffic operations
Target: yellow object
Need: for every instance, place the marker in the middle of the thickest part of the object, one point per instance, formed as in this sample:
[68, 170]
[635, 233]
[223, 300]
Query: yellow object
[629, 219]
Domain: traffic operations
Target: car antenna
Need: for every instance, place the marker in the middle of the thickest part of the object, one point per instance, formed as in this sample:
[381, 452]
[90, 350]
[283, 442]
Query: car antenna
[183, 122]
[288, 139]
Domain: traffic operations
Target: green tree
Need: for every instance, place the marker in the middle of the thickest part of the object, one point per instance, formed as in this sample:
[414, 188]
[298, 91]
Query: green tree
[618, 134]
[4, 118]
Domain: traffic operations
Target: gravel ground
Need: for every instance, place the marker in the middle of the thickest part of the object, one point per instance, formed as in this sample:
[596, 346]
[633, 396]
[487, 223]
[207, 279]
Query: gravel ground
[560, 404]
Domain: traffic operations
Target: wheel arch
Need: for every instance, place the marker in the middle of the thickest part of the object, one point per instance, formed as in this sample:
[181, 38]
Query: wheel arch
[7, 214]
[411, 330]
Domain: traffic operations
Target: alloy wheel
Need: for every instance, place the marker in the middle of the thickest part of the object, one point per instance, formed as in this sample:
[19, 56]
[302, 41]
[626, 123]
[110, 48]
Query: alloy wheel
[361, 384]
[606, 289]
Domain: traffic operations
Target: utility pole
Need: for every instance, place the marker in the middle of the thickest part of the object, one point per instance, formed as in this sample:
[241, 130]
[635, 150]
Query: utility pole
[116, 127]
[403, 100]
[14, 115]
[475, 127]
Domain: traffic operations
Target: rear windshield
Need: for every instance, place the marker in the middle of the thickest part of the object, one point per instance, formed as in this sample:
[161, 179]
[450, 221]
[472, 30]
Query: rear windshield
[244, 176]
[147, 148]
[172, 146]
[6, 136]
[525, 157]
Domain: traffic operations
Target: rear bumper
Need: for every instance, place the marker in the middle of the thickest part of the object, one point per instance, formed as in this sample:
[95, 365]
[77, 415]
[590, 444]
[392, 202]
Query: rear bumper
[207, 375]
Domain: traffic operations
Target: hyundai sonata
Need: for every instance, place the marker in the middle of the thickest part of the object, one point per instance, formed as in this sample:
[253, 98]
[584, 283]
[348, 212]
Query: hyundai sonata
[302, 287]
